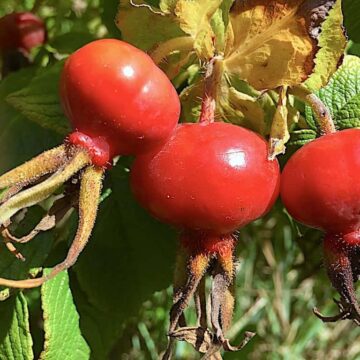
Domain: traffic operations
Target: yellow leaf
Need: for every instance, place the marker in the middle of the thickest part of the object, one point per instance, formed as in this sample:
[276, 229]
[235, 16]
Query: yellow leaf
[194, 17]
[275, 42]
[279, 134]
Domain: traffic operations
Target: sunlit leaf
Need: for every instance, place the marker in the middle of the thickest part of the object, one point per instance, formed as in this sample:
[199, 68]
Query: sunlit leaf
[342, 96]
[61, 321]
[16, 342]
[332, 42]
[275, 42]
[194, 18]
[301, 137]
[143, 27]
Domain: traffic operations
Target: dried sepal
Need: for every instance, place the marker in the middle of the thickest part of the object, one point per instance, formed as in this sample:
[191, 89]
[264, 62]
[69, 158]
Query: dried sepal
[342, 266]
[55, 214]
[200, 304]
[205, 255]
[89, 198]
[184, 290]
[200, 338]
[197, 267]
[43, 190]
[43, 164]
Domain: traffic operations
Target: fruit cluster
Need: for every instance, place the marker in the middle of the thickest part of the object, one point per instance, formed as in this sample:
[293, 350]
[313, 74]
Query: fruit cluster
[208, 179]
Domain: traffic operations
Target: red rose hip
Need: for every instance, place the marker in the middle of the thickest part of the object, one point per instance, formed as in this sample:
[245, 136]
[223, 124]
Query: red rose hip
[320, 187]
[112, 90]
[213, 178]
[118, 102]
[209, 179]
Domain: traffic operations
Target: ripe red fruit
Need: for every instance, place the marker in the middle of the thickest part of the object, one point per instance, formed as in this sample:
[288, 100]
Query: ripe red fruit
[118, 102]
[22, 31]
[213, 178]
[320, 187]
[114, 91]
[208, 179]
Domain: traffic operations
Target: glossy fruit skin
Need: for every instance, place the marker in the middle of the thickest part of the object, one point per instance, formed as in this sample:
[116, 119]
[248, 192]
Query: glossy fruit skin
[213, 178]
[112, 90]
[22, 31]
[320, 184]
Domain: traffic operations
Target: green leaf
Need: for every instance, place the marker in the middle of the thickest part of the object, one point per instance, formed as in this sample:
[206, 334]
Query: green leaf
[63, 339]
[352, 19]
[39, 100]
[16, 144]
[128, 258]
[15, 338]
[129, 19]
[301, 137]
[342, 95]
[332, 43]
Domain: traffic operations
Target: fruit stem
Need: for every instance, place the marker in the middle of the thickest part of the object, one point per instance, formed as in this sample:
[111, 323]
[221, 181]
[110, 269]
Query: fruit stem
[212, 79]
[322, 114]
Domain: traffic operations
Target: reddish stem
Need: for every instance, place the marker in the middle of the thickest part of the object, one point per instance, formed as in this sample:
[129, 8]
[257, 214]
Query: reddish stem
[211, 82]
